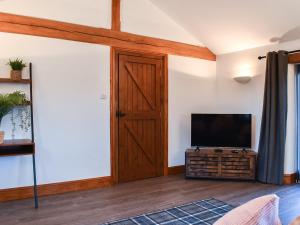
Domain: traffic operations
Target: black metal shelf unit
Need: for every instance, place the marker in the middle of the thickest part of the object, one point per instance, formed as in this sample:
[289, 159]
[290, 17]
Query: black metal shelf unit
[19, 147]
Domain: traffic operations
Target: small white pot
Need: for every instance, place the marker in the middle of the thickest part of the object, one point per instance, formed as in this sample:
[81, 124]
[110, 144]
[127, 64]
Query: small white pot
[1, 137]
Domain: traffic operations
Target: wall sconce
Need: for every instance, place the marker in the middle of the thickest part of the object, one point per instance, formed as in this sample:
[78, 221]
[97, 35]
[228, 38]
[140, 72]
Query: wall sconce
[243, 79]
[243, 73]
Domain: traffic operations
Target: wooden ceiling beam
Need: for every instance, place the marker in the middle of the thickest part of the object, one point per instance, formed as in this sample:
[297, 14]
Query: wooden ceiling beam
[116, 15]
[294, 58]
[61, 30]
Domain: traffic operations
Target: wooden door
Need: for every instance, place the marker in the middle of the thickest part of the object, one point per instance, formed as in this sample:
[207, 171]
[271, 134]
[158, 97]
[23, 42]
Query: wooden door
[139, 116]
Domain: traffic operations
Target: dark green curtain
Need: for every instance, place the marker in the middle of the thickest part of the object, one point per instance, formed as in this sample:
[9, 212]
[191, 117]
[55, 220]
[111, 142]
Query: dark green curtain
[270, 162]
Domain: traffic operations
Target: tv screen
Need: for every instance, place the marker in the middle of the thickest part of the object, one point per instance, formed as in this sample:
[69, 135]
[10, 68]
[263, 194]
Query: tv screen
[221, 130]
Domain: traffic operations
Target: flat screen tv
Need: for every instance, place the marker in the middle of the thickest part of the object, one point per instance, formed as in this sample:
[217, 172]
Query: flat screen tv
[221, 130]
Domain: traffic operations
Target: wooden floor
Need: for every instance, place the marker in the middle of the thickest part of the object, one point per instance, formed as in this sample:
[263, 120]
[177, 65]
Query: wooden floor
[123, 200]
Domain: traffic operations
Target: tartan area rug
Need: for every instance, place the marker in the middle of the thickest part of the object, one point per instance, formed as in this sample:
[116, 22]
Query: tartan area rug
[203, 212]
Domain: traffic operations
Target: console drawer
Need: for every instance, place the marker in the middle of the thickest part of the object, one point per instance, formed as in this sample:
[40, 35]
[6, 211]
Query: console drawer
[223, 165]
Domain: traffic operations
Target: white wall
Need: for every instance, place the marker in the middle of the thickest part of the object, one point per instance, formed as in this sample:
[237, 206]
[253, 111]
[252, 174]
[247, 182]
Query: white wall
[192, 89]
[238, 98]
[233, 97]
[71, 121]
[195, 86]
[144, 18]
[290, 145]
[87, 12]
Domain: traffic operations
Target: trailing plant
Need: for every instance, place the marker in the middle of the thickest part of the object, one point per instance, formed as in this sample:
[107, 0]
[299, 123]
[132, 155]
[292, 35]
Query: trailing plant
[9, 101]
[23, 116]
[5, 106]
[17, 64]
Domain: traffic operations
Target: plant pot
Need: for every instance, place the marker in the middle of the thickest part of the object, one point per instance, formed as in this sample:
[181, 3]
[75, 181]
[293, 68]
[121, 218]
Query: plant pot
[1, 137]
[16, 74]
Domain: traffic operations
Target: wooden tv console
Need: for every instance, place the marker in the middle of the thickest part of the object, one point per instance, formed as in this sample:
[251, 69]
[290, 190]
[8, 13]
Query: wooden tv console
[220, 164]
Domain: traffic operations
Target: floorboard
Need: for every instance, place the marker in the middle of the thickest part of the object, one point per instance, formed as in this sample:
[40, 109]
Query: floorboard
[130, 199]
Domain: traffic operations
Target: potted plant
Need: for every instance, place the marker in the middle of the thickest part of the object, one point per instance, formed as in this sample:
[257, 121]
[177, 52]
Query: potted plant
[7, 103]
[17, 66]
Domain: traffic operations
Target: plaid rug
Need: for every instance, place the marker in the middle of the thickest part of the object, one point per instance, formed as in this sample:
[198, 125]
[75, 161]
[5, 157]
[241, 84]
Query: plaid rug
[201, 212]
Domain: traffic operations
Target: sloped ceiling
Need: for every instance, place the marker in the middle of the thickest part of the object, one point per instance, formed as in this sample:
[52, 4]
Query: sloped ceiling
[226, 26]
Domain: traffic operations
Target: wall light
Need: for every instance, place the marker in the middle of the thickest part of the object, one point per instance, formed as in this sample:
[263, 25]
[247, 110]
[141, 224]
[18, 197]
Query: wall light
[244, 73]
[243, 79]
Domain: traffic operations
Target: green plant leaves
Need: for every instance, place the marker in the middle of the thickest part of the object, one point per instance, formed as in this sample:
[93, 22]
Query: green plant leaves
[17, 64]
[9, 101]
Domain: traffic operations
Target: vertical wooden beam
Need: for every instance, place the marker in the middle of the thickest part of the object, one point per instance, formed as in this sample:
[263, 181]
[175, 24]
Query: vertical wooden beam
[113, 119]
[116, 15]
[165, 116]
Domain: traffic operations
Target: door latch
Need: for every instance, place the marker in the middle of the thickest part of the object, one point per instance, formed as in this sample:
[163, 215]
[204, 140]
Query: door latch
[120, 114]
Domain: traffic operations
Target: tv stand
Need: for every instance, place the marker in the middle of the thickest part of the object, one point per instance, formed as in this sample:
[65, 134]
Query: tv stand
[222, 164]
[218, 150]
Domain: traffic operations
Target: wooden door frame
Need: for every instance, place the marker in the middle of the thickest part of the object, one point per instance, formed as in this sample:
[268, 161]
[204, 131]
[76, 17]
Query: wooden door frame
[114, 52]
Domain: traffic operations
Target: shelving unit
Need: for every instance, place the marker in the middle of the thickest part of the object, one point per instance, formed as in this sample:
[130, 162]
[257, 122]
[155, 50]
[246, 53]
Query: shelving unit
[19, 147]
[8, 80]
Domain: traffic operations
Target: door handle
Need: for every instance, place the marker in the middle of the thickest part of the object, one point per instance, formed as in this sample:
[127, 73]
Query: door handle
[120, 114]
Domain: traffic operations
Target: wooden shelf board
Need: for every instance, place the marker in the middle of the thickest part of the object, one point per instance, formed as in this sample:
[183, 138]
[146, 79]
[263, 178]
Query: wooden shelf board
[16, 142]
[17, 147]
[8, 80]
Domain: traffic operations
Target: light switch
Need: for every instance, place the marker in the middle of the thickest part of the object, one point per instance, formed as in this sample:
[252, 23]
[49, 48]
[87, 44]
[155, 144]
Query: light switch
[103, 97]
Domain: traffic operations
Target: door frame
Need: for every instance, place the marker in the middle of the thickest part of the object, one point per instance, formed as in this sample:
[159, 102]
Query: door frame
[114, 64]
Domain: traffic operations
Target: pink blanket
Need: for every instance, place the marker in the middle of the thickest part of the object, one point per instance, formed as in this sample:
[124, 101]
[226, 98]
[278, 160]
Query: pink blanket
[259, 211]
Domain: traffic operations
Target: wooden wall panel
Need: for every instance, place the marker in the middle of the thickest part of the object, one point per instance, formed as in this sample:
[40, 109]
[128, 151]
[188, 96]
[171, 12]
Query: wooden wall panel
[113, 120]
[87, 184]
[165, 128]
[53, 29]
[55, 188]
[289, 178]
[294, 58]
[176, 170]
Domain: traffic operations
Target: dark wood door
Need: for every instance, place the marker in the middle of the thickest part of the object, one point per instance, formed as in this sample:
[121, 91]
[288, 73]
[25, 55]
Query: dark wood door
[139, 115]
